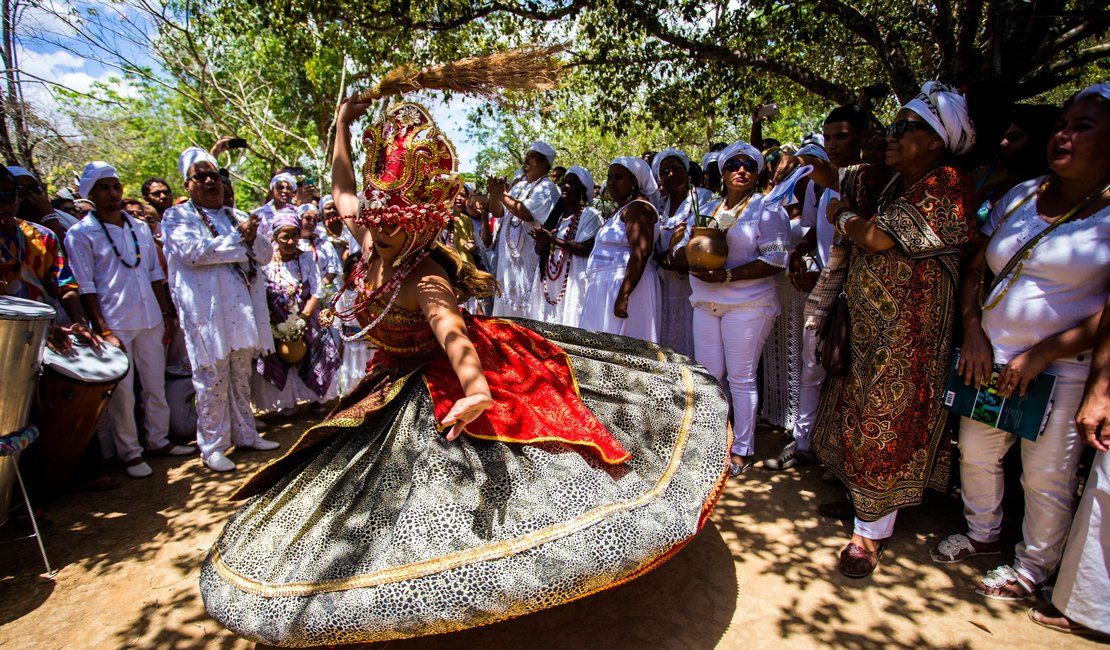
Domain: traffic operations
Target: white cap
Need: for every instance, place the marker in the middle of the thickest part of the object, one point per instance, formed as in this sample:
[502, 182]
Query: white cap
[192, 156]
[544, 149]
[94, 171]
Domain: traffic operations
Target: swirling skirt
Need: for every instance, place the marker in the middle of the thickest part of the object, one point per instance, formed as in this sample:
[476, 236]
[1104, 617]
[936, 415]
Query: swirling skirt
[390, 531]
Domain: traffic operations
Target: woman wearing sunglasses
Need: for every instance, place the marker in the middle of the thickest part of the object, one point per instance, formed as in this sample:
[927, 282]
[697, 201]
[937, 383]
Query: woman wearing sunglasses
[1038, 314]
[736, 306]
[880, 427]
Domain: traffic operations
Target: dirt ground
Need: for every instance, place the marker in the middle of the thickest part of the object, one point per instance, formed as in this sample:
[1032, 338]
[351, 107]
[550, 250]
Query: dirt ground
[761, 575]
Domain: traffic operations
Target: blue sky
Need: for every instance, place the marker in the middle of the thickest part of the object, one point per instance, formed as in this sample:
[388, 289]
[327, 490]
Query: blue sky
[46, 53]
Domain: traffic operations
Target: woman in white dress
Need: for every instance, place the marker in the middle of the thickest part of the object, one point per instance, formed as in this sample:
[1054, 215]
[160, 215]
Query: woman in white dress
[562, 280]
[1039, 314]
[293, 287]
[680, 200]
[622, 283]
[736, 306]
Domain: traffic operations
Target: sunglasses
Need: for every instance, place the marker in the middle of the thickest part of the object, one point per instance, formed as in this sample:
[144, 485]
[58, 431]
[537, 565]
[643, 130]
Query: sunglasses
[9, 197]
[735, 165]
[670, 170]
[899, 128]
[201, 177]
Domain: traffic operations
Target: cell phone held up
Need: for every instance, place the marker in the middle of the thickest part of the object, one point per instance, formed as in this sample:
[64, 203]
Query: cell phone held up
[767, 110]
[237, 143]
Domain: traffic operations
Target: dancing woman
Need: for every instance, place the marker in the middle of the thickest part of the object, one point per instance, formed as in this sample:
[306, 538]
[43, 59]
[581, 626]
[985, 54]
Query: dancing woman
[585, 459]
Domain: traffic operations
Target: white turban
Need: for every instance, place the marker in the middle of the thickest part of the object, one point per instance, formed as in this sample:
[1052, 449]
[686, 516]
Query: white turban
[709, 158]
[18, 171]
[584, 177]
[94, 171]
[945, 110]
[284, 177]
[1100, 90]
[814, 150]
[642, 172]
[543, 149]
[192, 156]
[669, 153]
[740, 148]
[305, 207]
[324, 200]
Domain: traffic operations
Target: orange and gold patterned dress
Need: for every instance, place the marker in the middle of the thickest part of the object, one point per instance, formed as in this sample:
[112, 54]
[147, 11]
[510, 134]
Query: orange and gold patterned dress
[600, 458]
[880, 428]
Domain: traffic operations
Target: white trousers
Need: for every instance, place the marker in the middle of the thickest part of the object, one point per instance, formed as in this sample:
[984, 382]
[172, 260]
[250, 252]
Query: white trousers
[728, 341]
[148, 358]
[1083, 587]
[1048, 476]
[224, 415]
[809, 394]
[881, 528]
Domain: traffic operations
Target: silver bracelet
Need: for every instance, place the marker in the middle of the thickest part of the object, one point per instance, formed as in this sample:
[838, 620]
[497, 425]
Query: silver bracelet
[842, 222]
[728, 275]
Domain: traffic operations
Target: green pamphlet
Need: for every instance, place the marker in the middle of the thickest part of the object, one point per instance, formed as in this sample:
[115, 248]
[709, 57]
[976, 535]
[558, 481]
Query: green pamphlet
[1025, 415]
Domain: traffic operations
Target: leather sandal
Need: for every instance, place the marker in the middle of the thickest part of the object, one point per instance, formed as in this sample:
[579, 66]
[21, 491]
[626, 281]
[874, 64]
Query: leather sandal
[857, 562]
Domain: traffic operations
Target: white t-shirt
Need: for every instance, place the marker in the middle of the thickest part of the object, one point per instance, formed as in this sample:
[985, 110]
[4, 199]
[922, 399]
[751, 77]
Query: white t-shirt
[1064, 280]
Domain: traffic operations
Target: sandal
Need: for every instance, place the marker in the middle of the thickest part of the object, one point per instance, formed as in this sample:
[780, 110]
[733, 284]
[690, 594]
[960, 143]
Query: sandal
[957, 548]
[736, 469]
[1046, 615]
[858, 562]
[1003, 583]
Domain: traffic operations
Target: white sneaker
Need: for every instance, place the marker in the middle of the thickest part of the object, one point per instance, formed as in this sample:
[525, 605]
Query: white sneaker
[261, 444]
[218, 462]
[139, 469]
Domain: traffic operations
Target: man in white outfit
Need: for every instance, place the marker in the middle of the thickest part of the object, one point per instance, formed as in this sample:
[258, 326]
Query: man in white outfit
[518, 212]
[115, 262]
[213, 253]
[843, 132]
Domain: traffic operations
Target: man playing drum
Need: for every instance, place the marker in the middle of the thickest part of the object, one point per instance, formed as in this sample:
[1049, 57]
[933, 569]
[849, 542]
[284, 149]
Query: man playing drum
[213, 254]
[122, 289]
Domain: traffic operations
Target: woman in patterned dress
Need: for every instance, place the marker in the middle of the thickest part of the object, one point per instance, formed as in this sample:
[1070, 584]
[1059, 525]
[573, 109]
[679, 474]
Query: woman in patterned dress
[880, 428]
[585, 459]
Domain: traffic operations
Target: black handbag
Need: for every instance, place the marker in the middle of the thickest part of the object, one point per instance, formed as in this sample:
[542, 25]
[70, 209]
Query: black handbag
[834, 338]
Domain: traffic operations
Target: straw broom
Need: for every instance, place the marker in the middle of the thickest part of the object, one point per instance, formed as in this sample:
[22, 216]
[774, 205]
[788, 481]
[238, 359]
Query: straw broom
[527, 69]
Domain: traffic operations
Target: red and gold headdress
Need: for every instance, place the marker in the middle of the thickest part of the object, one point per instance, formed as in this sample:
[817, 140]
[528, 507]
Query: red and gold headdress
[410, 177]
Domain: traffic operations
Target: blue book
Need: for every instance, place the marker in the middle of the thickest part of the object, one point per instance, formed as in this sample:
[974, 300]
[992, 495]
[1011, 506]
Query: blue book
[1025, 415]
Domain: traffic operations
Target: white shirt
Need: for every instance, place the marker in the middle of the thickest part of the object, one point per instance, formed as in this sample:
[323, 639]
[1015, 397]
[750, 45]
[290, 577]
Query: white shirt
[1064, 280]
[815, 218]
[325, 256]
[219, 312]
[760, 233]
[127, 300]
[670, 224]
[301, 270]
[517, 261]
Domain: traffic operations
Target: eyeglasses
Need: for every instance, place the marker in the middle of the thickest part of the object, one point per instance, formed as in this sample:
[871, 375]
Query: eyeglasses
[33, 188]
[9, 197]
[201, 177]
[735, 165]
[899, 128]
[670, 170]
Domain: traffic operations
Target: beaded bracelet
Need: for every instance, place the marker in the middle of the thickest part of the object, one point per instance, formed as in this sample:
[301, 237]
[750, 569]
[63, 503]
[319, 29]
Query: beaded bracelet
[728, 275]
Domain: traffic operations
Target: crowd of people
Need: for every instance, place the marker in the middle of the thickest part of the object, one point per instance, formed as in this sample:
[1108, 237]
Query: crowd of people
[936, 239]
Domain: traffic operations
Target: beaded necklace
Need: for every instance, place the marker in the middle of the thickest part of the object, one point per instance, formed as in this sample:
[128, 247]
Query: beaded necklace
[134, 240]
[1027, 250]
[391, 286]
[557, 262]
[517, 225]
[734, 212]
[291, 289]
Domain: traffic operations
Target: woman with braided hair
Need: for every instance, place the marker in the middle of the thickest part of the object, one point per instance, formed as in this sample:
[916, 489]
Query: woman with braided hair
[482, 469]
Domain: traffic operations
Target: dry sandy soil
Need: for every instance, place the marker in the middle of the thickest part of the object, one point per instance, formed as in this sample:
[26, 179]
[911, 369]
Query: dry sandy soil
[761, 575]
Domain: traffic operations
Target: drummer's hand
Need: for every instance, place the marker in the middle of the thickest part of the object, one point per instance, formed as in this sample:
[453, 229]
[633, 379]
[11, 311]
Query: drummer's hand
[112, 339]
[83, 331]
[59, 340]
[465, 411]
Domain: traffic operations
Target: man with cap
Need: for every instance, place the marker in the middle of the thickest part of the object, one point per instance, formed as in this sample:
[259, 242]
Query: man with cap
[519, 212]
[115, 261]
[282, 187]
[213, 254]
[35, 205]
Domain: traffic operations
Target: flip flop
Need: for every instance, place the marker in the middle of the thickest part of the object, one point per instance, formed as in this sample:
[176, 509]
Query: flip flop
[735, 470]
[1042, 614]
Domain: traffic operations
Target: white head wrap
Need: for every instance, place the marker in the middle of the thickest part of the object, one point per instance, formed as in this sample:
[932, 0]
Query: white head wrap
[814, 150]
[18, 171]
[642, 172]
[709, 159]
[945, 110]
[324, 200]
[470, 187]
[286, 177]
[740, 148]
[305, 207]
[585, 177]
[94, 171]
[669, 153]
[1101, 90]
[192, 156]
[543, 149]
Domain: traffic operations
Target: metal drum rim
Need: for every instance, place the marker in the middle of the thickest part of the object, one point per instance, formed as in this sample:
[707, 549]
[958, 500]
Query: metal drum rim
[47, 312]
